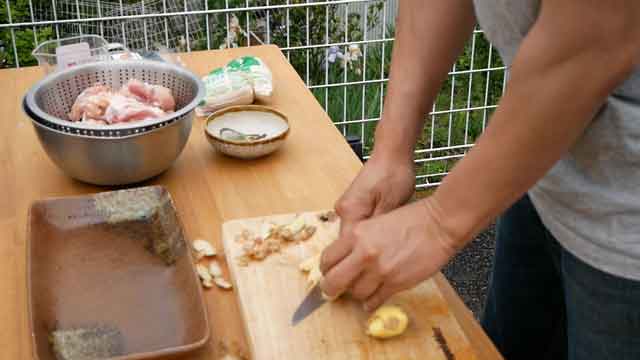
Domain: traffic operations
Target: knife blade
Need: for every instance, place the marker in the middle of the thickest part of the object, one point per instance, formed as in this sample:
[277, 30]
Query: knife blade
[311, 302]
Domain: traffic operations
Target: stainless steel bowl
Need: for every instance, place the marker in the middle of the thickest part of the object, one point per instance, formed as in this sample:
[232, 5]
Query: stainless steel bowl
[112, 154]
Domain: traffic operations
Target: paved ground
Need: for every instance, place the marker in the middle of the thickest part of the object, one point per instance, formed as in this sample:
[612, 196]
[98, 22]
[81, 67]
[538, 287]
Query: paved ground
[469, 270]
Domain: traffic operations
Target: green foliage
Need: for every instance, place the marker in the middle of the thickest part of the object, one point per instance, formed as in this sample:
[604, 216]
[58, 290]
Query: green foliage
[25, 43]
[469, 89]
[24, 37]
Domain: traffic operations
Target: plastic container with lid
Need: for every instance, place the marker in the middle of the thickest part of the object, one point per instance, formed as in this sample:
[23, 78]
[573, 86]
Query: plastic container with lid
[59, 54]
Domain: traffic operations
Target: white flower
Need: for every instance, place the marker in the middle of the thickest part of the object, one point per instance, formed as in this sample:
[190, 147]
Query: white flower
[355, 52]
[234, 23]
[232, 39]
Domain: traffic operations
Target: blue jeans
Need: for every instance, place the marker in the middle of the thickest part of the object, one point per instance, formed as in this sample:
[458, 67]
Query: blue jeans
[544, 303]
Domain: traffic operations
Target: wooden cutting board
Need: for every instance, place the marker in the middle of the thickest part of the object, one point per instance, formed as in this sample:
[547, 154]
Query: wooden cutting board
[269, 292]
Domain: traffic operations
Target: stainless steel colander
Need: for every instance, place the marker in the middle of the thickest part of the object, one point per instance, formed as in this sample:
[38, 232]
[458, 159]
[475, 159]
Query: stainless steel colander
[116, 154]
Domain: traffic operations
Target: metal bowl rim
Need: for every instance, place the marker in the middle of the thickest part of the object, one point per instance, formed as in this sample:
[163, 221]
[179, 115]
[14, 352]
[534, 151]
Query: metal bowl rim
[31, 104]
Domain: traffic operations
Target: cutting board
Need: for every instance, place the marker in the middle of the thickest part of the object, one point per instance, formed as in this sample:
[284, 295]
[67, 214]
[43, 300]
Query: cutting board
[269, 291]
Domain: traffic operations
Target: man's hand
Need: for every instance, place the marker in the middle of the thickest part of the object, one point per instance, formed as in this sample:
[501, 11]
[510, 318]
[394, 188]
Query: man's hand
[388, 253]
[381, 186]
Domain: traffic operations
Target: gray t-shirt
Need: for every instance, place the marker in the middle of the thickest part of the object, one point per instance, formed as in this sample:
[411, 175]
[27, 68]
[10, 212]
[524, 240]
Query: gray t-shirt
[590, 199]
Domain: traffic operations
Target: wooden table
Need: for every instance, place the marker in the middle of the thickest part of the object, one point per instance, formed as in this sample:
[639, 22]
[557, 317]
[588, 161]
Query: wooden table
[312, 169]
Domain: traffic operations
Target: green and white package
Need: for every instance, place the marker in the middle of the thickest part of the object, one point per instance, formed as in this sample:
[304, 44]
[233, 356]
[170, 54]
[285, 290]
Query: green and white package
[238, 83]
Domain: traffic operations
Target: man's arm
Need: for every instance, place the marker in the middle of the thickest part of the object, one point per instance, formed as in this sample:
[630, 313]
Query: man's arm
[429, 37]
[576, 53]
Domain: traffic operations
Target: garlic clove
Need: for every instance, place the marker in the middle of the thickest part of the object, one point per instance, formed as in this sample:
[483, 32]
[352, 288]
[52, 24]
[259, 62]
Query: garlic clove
[222, 283]
[214, 269]
[203, 272]
[203, 248]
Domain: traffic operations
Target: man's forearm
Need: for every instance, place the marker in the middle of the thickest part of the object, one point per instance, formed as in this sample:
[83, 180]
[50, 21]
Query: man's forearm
[565, 69]
[429, 37]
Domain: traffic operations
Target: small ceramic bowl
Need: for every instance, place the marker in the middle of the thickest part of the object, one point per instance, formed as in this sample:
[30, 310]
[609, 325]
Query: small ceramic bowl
[247, 131]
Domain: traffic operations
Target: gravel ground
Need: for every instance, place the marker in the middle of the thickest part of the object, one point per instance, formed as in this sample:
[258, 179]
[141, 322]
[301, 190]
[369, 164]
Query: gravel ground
[469, 271]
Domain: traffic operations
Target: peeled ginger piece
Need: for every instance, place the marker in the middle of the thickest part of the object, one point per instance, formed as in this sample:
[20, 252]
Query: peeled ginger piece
[387, 321]
[311, 267]
[310, 263]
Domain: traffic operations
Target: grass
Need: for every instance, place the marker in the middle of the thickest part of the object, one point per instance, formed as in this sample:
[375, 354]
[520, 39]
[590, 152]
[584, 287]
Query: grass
[359, 102]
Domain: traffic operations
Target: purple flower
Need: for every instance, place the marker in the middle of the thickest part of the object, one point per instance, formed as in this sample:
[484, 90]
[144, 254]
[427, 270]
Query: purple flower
[332, 53]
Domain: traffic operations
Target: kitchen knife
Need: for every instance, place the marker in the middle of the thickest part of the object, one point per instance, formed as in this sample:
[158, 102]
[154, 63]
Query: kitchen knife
[311, 302]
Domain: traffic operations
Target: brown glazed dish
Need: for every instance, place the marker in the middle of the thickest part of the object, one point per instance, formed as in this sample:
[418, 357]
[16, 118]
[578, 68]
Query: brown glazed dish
[111, 273]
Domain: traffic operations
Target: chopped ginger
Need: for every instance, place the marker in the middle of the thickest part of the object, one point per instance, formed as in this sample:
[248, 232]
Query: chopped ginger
[329, 216]
[304, 234]
[291, 230]
[311, 266]
[272, 239]
[310, 263]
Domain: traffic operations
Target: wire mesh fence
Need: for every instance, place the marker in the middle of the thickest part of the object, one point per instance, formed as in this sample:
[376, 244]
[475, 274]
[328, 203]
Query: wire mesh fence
[340, 48]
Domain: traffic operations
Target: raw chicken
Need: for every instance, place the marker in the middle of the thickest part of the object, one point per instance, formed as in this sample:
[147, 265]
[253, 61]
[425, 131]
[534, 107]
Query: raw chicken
[124, 109]
[91, 103]
[155, 95]
[135, 101]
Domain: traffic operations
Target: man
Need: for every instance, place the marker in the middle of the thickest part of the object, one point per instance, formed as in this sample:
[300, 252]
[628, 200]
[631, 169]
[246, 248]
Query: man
[565, 141]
